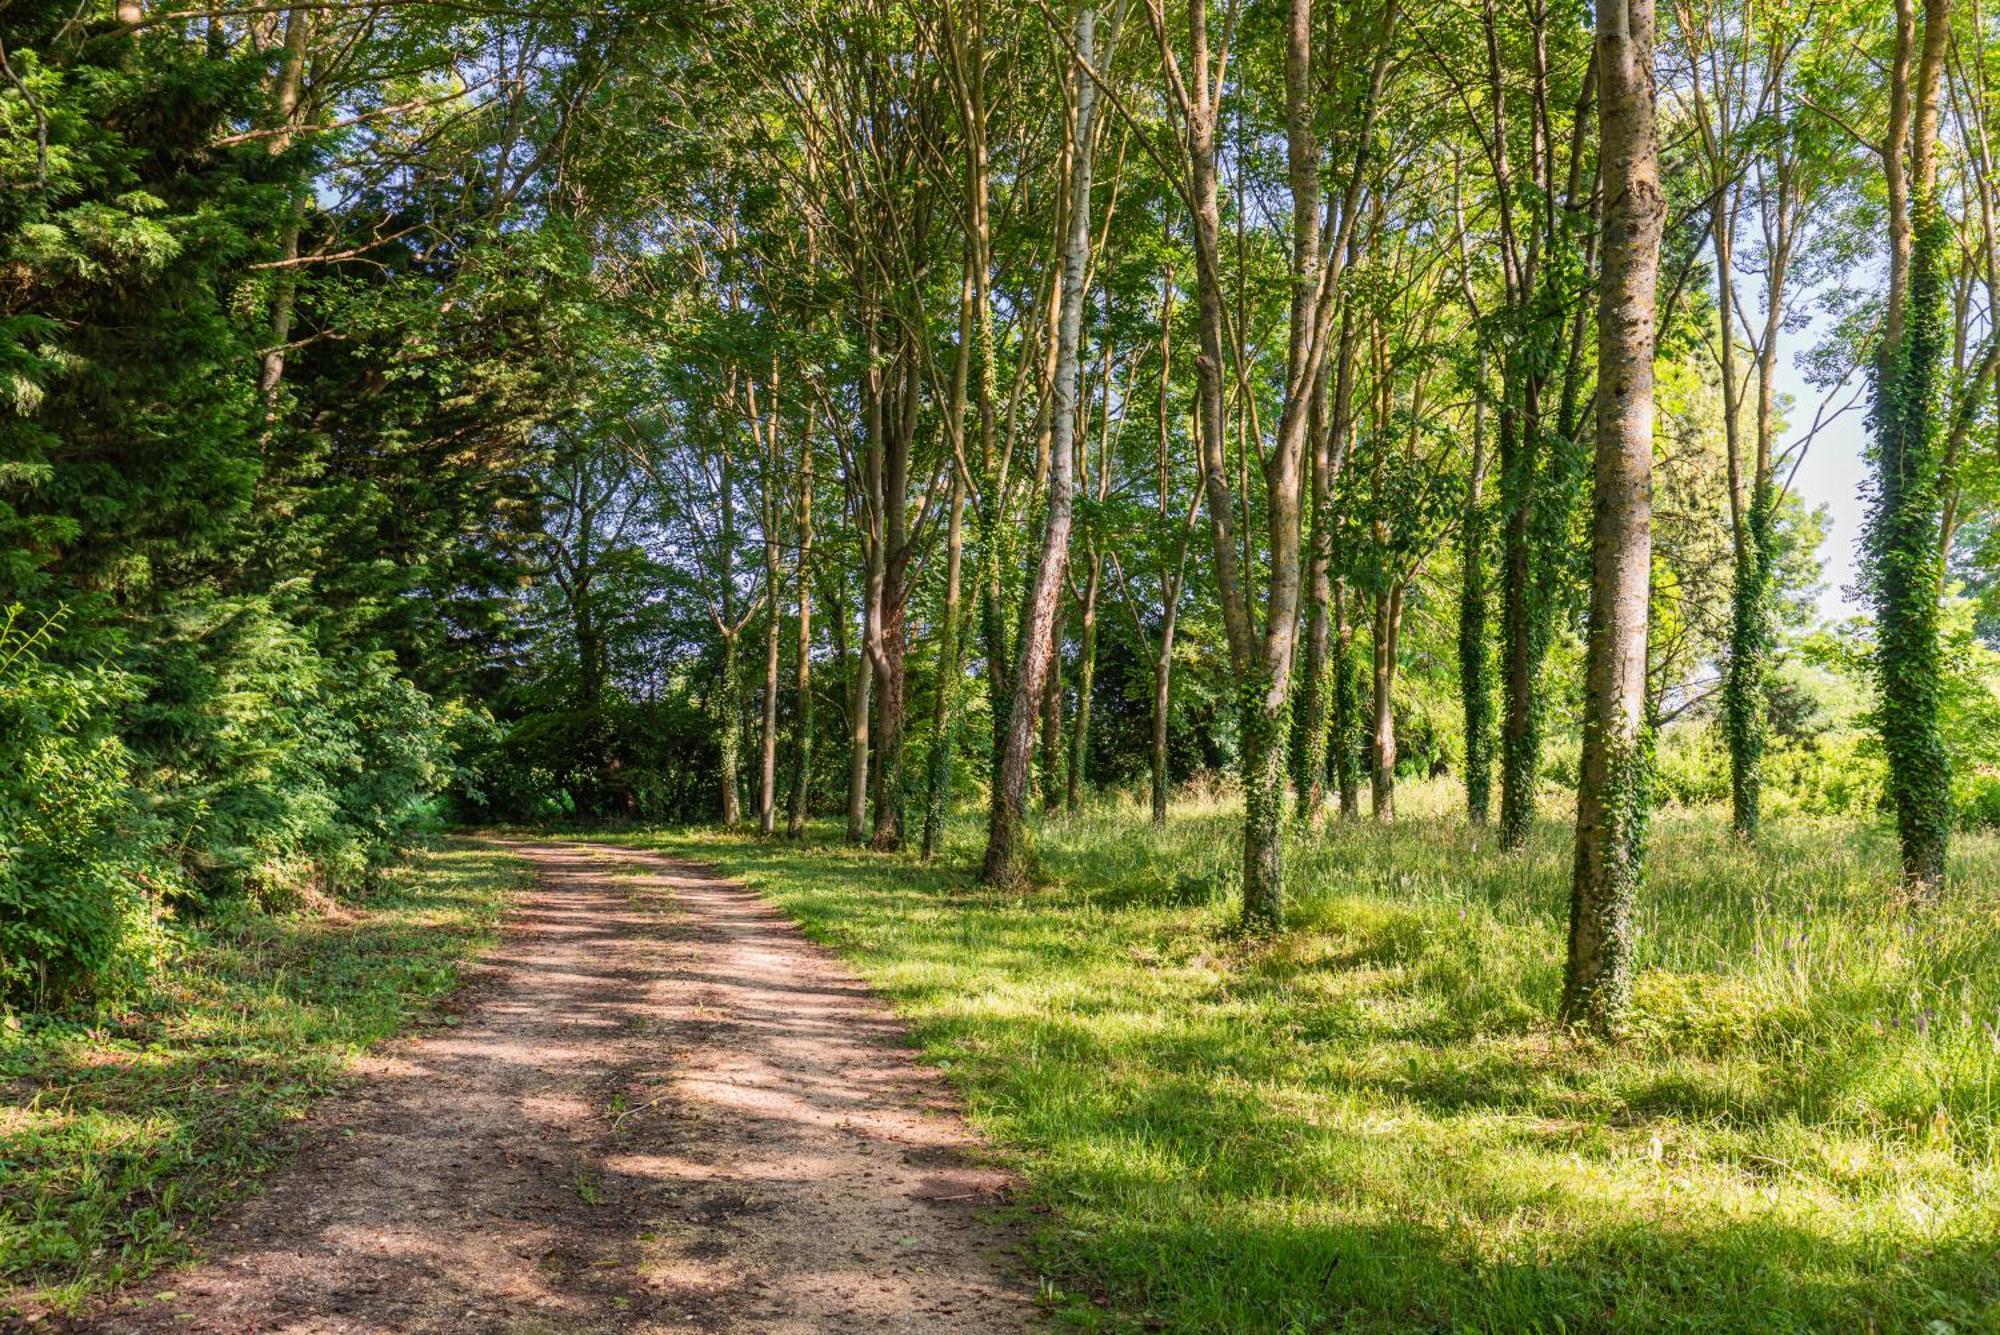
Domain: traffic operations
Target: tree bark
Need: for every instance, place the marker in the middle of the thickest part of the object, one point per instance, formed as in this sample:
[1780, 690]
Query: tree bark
[1612, 794]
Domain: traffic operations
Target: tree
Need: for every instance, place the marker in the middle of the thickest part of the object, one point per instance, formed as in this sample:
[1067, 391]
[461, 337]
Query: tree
[1006, 856]
[1905, 544]
[1612, 792]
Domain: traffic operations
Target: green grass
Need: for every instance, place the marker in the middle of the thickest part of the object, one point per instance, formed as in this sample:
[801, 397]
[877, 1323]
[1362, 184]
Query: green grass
[121, 1133]
[1372, 1122]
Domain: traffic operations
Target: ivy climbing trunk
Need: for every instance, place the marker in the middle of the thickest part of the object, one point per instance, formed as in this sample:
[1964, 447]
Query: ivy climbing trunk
[1612, 789]
[1260, 656]
[1903, 544]
[1474, 660]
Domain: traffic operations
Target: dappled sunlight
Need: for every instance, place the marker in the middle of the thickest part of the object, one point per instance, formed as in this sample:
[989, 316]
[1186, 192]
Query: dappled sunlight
[1374, 1112]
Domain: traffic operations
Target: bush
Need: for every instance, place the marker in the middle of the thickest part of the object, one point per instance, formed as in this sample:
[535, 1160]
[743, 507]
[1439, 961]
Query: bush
[74, 858]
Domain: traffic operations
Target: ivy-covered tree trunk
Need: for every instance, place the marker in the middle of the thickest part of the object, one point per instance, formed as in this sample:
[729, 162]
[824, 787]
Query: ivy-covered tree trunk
[1746, 683]
[1520, 738]
[1612, 796]
[1329, 435]
[1474, 659]
[1905, 558]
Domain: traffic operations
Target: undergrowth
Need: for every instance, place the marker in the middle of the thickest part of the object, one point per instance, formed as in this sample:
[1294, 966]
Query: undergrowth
[121, 1129]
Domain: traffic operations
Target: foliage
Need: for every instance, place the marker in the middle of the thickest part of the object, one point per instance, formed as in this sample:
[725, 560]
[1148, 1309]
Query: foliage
[74, 857]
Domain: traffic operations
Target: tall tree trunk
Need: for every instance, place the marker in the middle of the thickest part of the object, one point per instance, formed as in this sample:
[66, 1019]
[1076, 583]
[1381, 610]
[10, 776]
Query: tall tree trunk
[1520, 739]
[1050, 751]
[1743, 677]
[1612, 788]
[1388, 629]
[1346, 709]
[1474, 668]
[1006, 861]
[861, 701]
[1086, 681]
[728, 708]
[795, 821]
[767, 787]
[951, 670]
[729, 734]
[951, 673]
[1261, 659]
[890, 713]
[1904, 546]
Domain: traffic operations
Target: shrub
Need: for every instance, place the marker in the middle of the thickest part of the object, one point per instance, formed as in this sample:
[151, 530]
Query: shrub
[74, 859]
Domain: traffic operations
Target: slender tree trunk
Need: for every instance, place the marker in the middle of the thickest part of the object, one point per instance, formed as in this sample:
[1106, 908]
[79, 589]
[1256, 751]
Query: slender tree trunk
[1474, 668]
[729, 734]
[1520, 740]
[767, 788]
[861, 701]
[1050, 751]
[1388, 628]
[1163, 696]
[1612, 794]
[1086, 681]
[1346, 709]
[889, 717]
[951, 670]
[795, 822]
[728, 708]
[1006, 861]
[951, 673]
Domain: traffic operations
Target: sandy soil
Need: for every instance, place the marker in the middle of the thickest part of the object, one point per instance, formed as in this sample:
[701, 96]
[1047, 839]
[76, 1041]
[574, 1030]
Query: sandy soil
[662, 1109]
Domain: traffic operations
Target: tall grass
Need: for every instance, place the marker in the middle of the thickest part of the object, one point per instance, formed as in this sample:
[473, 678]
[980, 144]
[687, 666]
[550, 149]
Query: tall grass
[1372, 1122]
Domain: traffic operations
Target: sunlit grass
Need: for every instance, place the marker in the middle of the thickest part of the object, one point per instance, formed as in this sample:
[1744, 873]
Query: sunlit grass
[1372, 1121]
[120, 1131]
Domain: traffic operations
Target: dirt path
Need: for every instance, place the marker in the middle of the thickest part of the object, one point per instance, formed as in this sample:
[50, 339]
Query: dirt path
[665, 1110]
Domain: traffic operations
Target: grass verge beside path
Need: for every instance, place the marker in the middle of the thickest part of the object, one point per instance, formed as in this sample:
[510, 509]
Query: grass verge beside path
[1372, 1124]
[120, 1133]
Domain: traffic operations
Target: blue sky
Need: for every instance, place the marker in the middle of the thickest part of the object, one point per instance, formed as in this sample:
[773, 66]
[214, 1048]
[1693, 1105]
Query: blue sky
[1833, 472]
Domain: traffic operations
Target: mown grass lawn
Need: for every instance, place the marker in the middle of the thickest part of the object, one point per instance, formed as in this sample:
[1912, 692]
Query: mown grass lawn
[120, 1131]
[1372, 1123]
